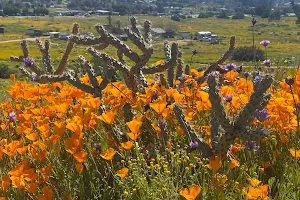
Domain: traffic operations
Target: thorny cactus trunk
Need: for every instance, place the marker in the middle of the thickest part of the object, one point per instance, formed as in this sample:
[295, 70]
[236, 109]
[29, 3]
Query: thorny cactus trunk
[238, 128]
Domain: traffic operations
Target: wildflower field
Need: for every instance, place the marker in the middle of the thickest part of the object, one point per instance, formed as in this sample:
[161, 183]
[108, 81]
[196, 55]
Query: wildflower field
[121, 127]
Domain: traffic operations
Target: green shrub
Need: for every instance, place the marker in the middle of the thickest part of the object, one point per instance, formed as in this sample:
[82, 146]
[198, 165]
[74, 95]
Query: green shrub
[246, 54]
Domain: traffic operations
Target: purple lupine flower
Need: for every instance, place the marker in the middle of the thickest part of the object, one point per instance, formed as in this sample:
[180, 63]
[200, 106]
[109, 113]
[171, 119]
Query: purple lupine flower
[289, 81]
[251, 145]
[261, 115]
[98, 147]
[265, 43]
[257, 79]
[162, 125]
[284, 71]
[246, 74]
[155, 95]
[228, 98]
[215, 73]
[230, 66]
[267, 62]
[253, 21]
[272, 70]
[182, 79]
[12, 116]
[28, 61]
[194, 144]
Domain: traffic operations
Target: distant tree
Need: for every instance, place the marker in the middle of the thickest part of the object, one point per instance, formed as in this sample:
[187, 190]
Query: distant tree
[25, 11]
[175, 18]
[275, 15]
[41, 11]
[202, 15]
[10, 10]
[239, 15]
[296, 10]
[263, 11]
[223, 15]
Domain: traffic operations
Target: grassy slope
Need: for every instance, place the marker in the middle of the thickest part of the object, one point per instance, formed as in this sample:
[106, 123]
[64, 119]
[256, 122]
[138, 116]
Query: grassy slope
[285, 45]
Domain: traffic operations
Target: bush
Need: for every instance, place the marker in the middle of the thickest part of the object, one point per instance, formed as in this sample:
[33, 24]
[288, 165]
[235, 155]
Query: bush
[175, 18]
[202, 15]
[4, 71]
[238, 15]
[223, 15]
[246, 54]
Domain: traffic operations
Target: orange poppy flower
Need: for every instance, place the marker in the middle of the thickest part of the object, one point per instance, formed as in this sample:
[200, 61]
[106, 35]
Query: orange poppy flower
[5, 182]
[265, 165]
[122, 172]
[31, 187]
[134, 126]
[159, 106]
[71, 145]
[80, 156]
[230, 76]
[79, 167]
[12, 77]
[190, 193]
[127, 145]
[107, 117]
[254, 182]
[233, 163]
[215, 163]
[47, 194]
[109, 154]
[295, 153]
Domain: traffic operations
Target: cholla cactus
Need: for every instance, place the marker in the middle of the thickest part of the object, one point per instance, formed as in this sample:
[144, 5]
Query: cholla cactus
[239, 128]
[133, 76]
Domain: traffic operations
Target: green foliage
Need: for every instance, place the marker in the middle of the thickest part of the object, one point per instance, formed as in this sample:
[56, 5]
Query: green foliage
[223, 15]
[239, 15]
[41, 11]
[246, 54]
[11, 10]
[175, 18]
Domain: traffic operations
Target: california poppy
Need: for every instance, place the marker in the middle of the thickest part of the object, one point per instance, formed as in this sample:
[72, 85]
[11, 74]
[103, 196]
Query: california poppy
[109, 154]
[190, 193]
[122, 172]
[107, 117]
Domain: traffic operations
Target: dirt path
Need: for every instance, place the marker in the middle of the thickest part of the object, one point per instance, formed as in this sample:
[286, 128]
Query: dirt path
[27, 39]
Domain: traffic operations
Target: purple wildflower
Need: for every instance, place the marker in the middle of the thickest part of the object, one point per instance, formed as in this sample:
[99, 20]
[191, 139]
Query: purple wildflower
[228, 98]
[182, 79]
[215, 73]
[272, 70]
[155, 95]
[265, 43]
[98, 147]
[253, 21]
[246, 74]
[28, 61]
[12, 116]
[230, 66]
[289, 81]
[194, 145]
[251, 145]
[267, 62]
[284, 71]
[261, 115]
[162, 125]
